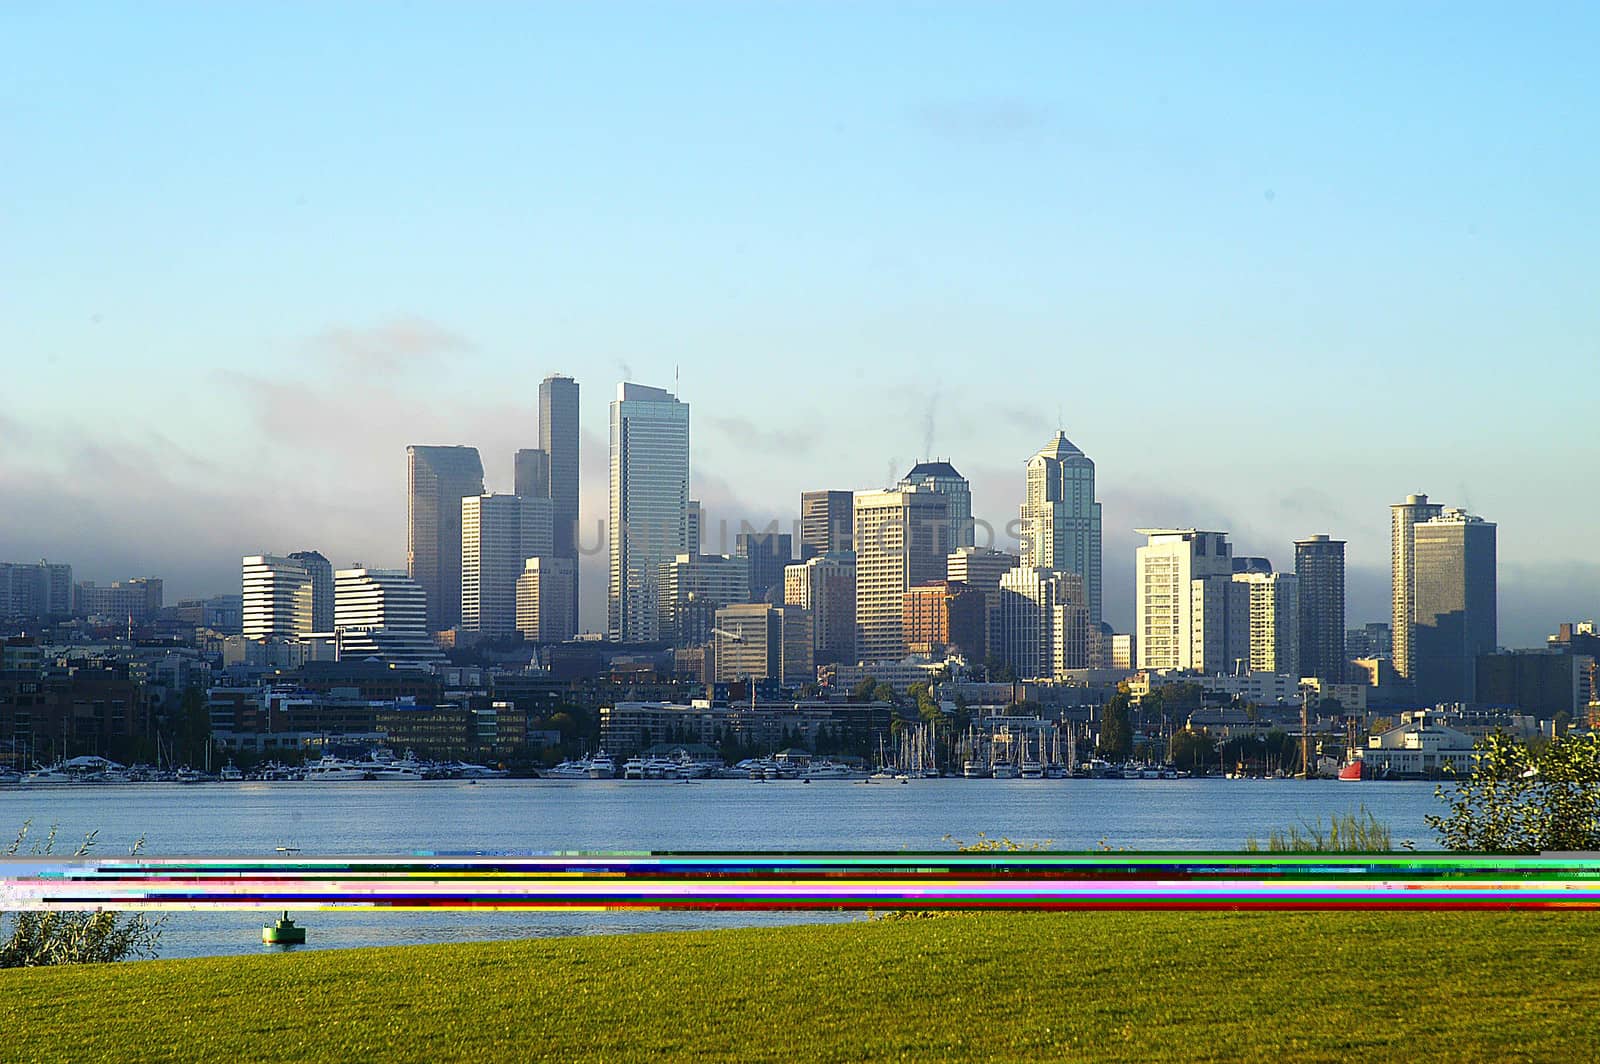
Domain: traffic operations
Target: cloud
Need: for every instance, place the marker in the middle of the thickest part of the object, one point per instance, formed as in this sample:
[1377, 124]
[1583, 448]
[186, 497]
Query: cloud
[748, 435]
[983, 120]
[392, 346]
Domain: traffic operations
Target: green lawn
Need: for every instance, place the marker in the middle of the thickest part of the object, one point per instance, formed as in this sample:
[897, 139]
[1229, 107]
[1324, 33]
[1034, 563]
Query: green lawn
[1027, 986]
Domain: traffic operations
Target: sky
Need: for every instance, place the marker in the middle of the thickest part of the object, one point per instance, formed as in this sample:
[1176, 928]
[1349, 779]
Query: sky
[1273, 267]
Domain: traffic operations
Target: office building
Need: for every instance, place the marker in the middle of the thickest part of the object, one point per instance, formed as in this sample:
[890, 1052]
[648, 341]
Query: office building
[1539, 683]
[649, 505]
[1060, 517]
[1369, 641]
[1043, 623]
[979, 567]
[558, 439]
[941, 477]
[1454, 616]
[381, 614]
[1319, 563]
[499, 533]
[696, 520]
[1403, 517]
[531, 475]
[825, 587]
[321, 572]
[39, 589]
[827, 521]
[1274, 618]
[941, 617]
[1189, 612]
[767, 553]
[278, 598]
[124, 601]
[544, 600]
[438, 479]
[759, 641]
[692, 587]
[901, 540]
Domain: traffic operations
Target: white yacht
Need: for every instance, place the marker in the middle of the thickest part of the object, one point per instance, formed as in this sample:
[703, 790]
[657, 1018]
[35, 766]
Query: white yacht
[330, 769]
[633, 768]
[1004, 770]
[601, 767]
[568, 770]
[230, 773]
[974, 770]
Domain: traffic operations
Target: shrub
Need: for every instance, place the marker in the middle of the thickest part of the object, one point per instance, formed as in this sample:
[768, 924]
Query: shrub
[1518, 799]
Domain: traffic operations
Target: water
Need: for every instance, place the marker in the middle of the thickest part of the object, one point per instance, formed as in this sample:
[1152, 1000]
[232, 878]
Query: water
[540, 816]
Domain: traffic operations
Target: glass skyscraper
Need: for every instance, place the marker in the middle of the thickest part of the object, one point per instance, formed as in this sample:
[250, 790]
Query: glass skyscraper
[1060, 517]
[649, 524]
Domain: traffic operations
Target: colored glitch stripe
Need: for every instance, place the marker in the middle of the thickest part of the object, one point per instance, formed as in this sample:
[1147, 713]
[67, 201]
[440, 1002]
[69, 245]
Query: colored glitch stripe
[807, 881]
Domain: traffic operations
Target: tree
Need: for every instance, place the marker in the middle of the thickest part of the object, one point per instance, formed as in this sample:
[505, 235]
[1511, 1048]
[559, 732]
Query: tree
[863, 691]
[1518, 799]
[1116, 730]
[1192, 750]
[35, 939]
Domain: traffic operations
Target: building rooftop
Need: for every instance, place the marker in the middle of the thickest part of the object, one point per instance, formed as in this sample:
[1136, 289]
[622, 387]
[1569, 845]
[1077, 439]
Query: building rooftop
[933, 468]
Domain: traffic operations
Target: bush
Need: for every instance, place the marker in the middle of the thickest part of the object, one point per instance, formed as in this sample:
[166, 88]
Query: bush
[1352, 833]
[34, 939]
[1518, 799]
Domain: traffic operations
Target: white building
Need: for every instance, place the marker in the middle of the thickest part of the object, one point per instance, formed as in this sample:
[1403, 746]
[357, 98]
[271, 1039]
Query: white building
[1189, 613]
[1274, 639]
[1060, 517]
[1043, 622]
[545, 600]
[649, 505]
[499, 533]
[900, 540]
[1419, 747]
[378, 613]
[279, 599]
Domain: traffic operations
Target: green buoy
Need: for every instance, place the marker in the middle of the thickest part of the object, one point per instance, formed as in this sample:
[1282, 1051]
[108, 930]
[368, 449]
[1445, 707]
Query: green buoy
[283, 933]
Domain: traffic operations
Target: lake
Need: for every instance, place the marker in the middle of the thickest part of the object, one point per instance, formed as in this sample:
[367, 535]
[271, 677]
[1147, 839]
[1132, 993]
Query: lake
[540, 816]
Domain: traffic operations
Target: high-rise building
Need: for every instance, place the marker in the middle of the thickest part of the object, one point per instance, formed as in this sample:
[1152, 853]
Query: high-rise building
[438, 479]
[41, 589]
[1369, 641]
[558, 439]
[544, 600]
[499, 533]
[982, 568]
[1060, 517]
[1043, 622]
[649, 504]
[692, 587]
[321, 572]
[942, 617]
[279, 598]
[767, 553]
[1319, 563]
[531, 476]
[1189, 612]
[381, 614]
[825, 587]
[901, 539]
[760, 641]
[1454, 617]
[941, 477]
[696, 519]
[1403, 518]
[1274, 619]
[827, 520]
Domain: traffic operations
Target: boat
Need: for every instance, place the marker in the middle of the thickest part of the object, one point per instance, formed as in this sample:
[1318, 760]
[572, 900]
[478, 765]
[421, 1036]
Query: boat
[330, 769]
[1352, 773]
[1004, 770]
[633, 768]
[230, 773]
[601, 767]
[569, 770]
[974, 770]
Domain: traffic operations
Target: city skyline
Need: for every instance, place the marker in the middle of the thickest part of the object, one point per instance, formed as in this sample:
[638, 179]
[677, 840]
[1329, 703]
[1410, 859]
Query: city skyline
[928, 270]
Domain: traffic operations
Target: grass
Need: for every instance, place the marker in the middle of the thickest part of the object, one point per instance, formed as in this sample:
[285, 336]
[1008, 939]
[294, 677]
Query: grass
[1023, 986]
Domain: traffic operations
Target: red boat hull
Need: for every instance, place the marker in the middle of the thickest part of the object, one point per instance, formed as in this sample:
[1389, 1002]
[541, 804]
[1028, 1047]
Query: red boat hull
[1351, 772]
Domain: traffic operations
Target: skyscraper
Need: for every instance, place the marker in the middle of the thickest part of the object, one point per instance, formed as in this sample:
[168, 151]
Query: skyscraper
[901, 539]
[941, 477]
[1060, 517]
[649, 504]
[544, 600]
[1189, 611]
[532, 474]
[691, 588]
[321, 572]
[1319, 563]
[826, 521]
[1044, 622]
[767, 554]
[438, 479]
[759, 641]
[1403, 517]
[825, 587]
[278, 598]
[1274, 619]
[558, 438]
[499, 533]
[1455, 616]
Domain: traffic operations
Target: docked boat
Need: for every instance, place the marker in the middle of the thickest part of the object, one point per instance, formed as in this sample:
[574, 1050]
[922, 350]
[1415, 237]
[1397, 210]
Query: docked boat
[633, 768]
[1004, 770]
[569, 770]
[330, 769]
[601, 767]
[974, 770]
[1352, 773]
[230, 773]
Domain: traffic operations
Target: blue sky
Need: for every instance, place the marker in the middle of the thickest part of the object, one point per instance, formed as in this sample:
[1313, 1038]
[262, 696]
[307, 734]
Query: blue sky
[1273, 267]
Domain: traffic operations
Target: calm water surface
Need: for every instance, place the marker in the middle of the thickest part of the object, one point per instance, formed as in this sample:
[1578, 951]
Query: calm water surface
[539, 816]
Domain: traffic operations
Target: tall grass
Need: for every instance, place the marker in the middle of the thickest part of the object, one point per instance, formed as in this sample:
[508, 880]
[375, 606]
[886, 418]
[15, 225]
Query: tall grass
[1359, 832]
